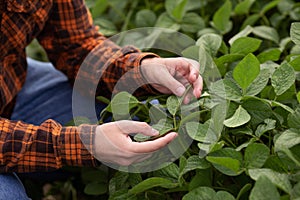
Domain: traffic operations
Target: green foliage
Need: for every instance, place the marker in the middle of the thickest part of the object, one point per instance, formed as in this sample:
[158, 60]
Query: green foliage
[255, 47]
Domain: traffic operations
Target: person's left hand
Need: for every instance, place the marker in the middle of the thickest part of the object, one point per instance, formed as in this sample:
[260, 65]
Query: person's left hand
[172, 75]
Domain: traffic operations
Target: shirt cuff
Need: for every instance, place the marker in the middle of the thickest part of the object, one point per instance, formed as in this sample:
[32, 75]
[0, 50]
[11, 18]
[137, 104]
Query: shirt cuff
[77, 147]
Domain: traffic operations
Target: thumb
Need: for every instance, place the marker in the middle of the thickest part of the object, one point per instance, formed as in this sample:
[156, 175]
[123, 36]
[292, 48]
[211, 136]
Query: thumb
[129, 127]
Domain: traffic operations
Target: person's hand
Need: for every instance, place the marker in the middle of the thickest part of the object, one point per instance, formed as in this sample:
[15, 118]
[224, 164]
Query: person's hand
[172, 75]
[114, 145]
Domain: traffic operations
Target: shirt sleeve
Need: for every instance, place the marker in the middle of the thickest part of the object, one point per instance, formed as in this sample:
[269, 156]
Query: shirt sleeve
[69, 37]
[28, 148]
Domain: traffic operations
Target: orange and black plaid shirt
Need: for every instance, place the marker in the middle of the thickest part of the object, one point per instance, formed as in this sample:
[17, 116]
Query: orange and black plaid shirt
[66, 31]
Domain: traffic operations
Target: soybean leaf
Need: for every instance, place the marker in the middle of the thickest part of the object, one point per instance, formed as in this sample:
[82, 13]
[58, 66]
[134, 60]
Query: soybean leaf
[194, 162]
[173, 104]
[227, 89]
[122, 103]
[191, 52]
[200, 193]
[269, 124]
[192, 22]
[294, 119]
[201, 132]
[246, 71]
[99, 7]
[211, 43]
[256, 155]
[296, 191]
[226, 160]
[176, 9]
[221, 18]
[243, 7]
[283, 78]
[259, 83]
[266, 32]
[171, 171]
[145, 18]
[251, 20]
[278, 179]
[243, 33]
[223, 195]
[259, 110]
[295, 32]
[287, 139]
[95, 188]
[269, 55]
[165, 21]
[264, 189]
[240, 117]
[245, 45]
[269, 6]
[295, 63]
[151, 183]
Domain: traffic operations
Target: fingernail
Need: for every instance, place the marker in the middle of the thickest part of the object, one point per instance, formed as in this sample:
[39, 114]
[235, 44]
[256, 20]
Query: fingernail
[180, 90]
[154, 132]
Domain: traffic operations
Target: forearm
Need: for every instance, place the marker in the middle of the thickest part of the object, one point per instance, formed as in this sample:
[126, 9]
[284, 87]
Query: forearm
[28, 148]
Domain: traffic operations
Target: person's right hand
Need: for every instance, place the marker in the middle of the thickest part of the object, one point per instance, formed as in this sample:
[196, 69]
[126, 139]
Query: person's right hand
[114, 145]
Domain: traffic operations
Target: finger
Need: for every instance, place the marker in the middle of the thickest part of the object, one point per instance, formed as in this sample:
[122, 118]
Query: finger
[166, 79]
[197, 87]
[154, 145]
[129, 127]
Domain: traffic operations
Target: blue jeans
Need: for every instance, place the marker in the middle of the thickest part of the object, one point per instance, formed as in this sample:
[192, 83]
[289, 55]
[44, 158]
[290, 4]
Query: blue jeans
[46, 94]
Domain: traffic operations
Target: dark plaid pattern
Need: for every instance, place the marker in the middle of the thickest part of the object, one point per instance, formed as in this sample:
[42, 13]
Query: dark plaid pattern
[66, 31]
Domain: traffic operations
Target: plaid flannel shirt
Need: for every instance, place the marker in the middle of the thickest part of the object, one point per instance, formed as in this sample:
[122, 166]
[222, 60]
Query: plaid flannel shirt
[66, 31]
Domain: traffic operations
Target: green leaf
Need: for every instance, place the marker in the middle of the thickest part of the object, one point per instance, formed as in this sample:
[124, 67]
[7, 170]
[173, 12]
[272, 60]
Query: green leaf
[298, 97]
[227, 89]
[283, 78]
[245, 45]
[251, 20]
[173, 104]
[122, 103]
[295, 63]
[192, 23]
[264, 189]
[295, 32]
[240, 117]
[145, 18]
[250, 66]
[95, 188]
[99, 7]
[107, 27]
[287, 139]
[294, 119]
[223, 195]
[176, 8]
[243, 33]
[151, 183]
[269, 55]
[191, 52]
[259, 83]
[262, 128]
[194, 162]
[258, 109]
[278, 179]
[266, 32]
[269, 6]
[243, 7]
[200, 193]
[165, 21]
[201, 132]
[171, 171]
[221, 18]
[256, 155]
[226, 160]
[211, 43]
